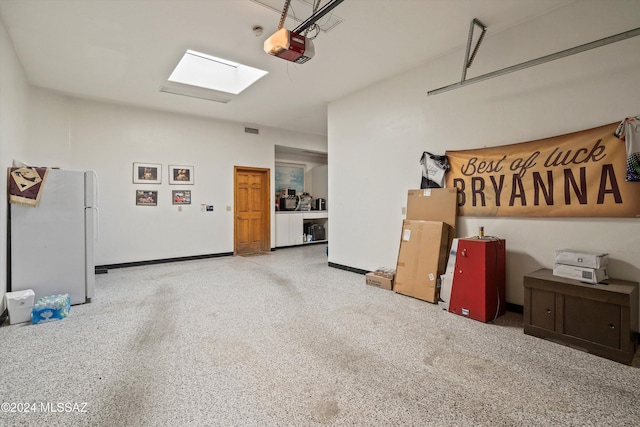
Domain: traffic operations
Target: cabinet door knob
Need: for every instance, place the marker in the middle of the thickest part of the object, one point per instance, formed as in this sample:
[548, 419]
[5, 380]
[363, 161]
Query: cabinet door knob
[612, 326]
[548, 311]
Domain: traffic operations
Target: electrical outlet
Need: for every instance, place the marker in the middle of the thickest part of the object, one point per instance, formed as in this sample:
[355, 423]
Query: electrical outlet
[404, 210]
[179, 208]
[229, 208]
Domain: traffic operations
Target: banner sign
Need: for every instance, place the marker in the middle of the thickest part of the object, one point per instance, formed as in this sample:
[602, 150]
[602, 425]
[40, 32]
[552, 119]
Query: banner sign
[580, 174]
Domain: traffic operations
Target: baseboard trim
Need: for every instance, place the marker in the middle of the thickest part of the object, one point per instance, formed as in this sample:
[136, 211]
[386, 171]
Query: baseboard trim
[347, 268]
[319, 242]
[514, 308]
[100, 269]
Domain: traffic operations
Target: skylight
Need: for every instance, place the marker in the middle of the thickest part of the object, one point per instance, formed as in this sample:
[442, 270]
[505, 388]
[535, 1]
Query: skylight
[210, 72]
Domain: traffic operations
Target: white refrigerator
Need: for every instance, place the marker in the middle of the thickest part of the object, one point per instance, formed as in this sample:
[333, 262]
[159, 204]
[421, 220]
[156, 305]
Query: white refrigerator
[52, 244]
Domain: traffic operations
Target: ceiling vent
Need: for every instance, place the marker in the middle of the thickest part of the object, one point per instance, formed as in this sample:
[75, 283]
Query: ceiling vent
[251, 130]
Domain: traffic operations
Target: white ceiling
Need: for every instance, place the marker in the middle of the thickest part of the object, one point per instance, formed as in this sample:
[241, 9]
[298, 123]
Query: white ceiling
[124, 50]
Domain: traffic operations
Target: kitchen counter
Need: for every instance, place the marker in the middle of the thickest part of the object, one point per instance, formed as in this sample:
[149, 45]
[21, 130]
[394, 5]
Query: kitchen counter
[291, 226]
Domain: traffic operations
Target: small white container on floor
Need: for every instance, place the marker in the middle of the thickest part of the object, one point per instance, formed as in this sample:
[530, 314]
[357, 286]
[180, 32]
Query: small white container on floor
[20, 304]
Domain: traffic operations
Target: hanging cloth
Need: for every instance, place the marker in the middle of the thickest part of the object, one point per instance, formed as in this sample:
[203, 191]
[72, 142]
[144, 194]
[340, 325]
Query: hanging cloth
[629, 131]
[25, 185]
[433, 170]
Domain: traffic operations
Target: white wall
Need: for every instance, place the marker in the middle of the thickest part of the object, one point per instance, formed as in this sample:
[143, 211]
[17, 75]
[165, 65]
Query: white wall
[14, 91]
[80, 134]
[320, 181]
[387, 127]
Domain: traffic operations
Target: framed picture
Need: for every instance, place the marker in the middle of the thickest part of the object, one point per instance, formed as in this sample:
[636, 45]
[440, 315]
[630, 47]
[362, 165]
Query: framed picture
[181, 197]
[146, 198]
[180, 174]
[290, 176]
[147, 173]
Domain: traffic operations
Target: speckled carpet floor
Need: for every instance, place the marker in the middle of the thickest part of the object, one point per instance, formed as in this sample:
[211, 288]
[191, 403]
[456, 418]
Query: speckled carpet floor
[285, 340]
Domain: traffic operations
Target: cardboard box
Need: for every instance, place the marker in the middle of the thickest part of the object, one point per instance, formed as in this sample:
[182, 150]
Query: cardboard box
[378, 281]
[385, 272]
[422, 258]
[582, 258]
[427, 234]
[433, 204]
[583, 274]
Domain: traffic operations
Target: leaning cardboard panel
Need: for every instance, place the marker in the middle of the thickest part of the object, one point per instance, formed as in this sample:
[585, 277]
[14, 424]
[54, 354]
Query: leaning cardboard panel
[421, 259]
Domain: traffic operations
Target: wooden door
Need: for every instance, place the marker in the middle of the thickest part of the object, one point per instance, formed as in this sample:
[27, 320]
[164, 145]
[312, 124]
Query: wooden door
[252, 228]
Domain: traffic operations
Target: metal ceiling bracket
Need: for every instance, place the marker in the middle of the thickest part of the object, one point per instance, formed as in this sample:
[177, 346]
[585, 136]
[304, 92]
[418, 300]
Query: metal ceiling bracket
[543, 59]
[469, 60]
[317, 16]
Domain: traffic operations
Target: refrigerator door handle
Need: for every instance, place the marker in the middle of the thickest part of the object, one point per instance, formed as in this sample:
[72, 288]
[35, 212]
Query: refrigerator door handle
[91, 230]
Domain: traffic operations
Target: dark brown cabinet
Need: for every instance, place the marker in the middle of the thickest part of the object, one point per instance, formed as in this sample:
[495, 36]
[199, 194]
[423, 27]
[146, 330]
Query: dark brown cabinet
[601, 319]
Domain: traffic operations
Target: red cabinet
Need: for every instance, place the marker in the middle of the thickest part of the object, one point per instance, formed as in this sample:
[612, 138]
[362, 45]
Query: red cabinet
[478, 288]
